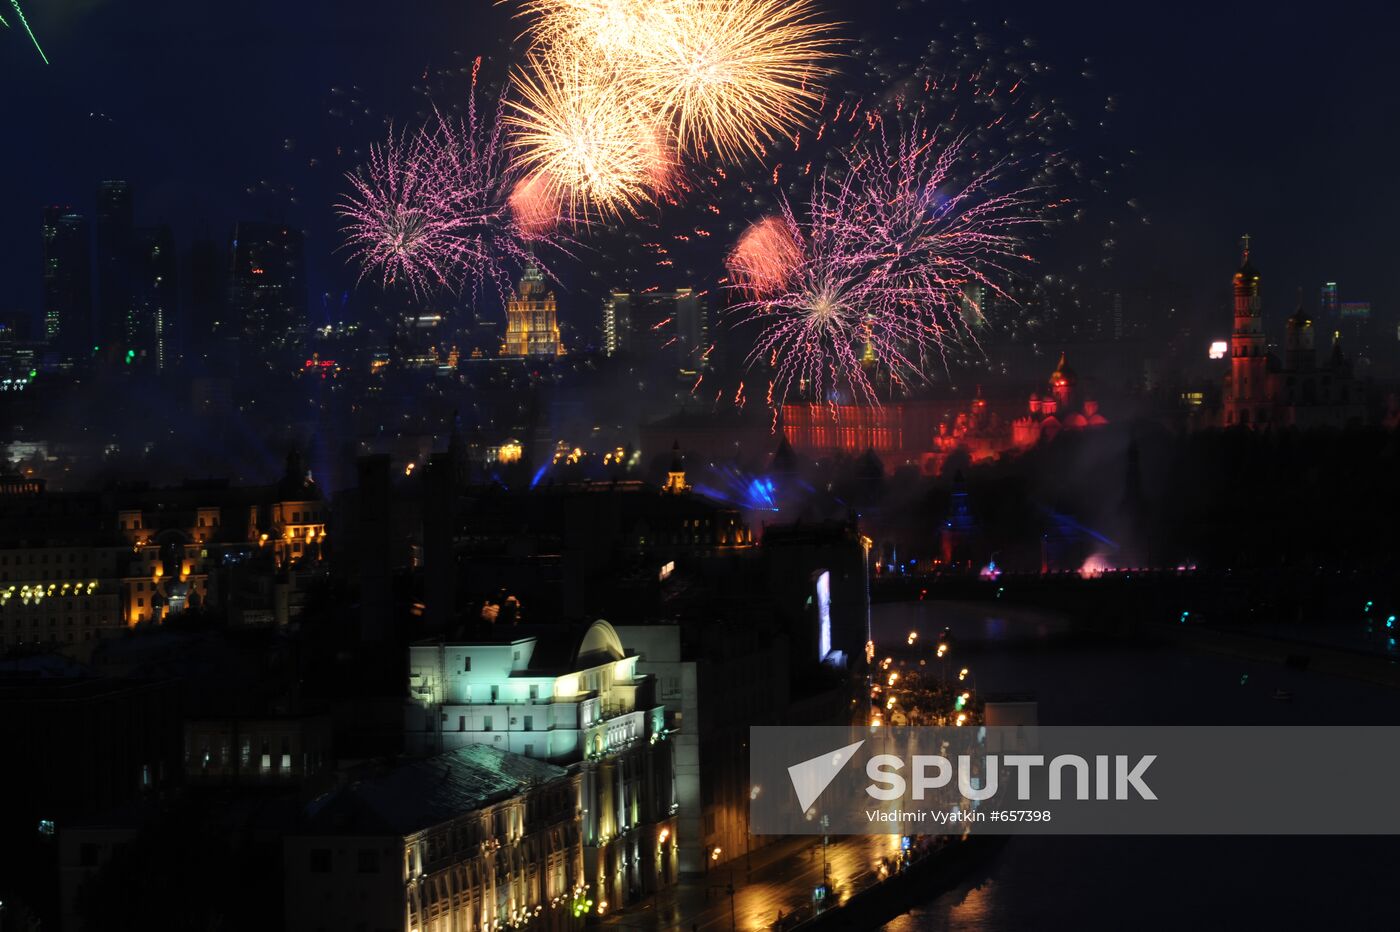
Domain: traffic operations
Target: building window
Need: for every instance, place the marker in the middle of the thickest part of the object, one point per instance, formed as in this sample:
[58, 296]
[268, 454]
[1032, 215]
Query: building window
[466, 664]
[461, 723]
[486, 723]
[367, 861]
[529, 723]
[320, 860]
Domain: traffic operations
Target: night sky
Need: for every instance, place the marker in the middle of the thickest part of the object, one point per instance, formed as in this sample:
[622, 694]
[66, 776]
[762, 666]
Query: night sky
[1272, 119]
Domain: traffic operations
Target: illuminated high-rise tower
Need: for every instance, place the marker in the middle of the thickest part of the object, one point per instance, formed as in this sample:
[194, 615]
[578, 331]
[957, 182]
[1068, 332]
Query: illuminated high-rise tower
[267, 288]
[152, 322]
[532, 321]
[1331, 304]
[669, 329]
[67, 282]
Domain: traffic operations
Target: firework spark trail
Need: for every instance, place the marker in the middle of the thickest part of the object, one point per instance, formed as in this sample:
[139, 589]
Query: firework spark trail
[612, 91]
[730, 76]
[765, 257]
[611, 28]
[442, 207]
[885, 258]
[938, 237]
[397, 218]
[24, 21]
[595, 146]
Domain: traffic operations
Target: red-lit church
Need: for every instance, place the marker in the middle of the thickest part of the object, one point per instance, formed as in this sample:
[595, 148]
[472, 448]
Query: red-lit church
[924, 433]
[1262, 391]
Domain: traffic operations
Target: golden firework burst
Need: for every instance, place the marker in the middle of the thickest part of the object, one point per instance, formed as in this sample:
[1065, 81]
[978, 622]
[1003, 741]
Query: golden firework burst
[729, 75]
[595, 147]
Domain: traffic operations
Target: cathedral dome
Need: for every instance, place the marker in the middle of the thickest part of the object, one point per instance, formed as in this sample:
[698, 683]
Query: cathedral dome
[1247, 278]
[1063, 370]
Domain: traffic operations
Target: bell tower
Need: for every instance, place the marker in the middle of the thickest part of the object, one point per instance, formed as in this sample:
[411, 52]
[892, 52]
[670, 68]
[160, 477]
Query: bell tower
[675, 477]
[1246, 394]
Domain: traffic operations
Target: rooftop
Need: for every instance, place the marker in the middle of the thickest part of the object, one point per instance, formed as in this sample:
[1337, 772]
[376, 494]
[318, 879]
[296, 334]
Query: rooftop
[417, 795]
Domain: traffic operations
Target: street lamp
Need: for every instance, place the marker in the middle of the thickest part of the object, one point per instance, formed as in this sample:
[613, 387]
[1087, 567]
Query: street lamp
[754, 792]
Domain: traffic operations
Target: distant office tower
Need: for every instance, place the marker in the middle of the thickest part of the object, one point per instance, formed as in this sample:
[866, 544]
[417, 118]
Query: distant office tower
[1331, 304]
[659, 326]
[617, 320]
[151, 325]
[1355, 330]
[204, 304]
[532, 320]
[267, 287]
[1349, 322]
[67, 282]
[115, 248]
[974, 304]
[692, 332]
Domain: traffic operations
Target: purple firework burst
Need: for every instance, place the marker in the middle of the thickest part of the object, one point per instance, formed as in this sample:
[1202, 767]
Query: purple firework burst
[875, 278]
[432, 209]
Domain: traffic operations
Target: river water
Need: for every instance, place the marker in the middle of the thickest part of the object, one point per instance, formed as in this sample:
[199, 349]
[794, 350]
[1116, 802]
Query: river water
[1122, 883]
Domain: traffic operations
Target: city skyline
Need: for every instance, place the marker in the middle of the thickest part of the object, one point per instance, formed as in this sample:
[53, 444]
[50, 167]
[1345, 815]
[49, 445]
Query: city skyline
[1226, 178]
[597, 465]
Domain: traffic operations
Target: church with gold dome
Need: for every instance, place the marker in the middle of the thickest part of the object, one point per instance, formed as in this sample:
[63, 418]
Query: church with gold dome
[1063, 406]
[1262, 391]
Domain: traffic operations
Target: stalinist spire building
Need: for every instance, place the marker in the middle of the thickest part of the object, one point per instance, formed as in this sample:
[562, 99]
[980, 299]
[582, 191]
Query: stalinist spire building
[532, 322]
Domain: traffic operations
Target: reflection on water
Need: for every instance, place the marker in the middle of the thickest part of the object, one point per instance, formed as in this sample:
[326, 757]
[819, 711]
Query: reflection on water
[1115, 883]
[969, 621]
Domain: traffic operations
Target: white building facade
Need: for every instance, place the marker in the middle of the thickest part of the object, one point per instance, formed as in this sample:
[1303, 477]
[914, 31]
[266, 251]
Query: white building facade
[577, 702]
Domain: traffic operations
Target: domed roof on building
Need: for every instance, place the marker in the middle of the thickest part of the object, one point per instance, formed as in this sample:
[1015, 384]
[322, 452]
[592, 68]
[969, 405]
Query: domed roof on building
[1337, 357]
[600, 644]
[1247, 277]
[1063, 372]
[870, 466]
[1299, 318]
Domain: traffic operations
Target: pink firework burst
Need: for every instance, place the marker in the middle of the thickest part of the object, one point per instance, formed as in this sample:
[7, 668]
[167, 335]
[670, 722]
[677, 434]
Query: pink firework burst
[873, 281]
[441, 207]
[399, 223]
[765, 257]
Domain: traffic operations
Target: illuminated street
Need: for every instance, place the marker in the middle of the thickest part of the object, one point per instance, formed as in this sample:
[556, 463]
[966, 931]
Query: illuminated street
[783, 878]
